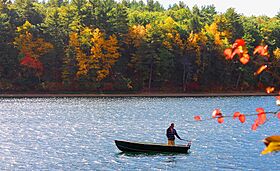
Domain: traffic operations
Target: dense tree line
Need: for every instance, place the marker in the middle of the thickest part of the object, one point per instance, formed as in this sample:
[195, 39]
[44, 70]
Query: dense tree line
[107, 45]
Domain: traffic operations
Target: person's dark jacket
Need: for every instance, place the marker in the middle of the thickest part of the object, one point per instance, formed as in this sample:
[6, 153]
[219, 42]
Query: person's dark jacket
[171, 134]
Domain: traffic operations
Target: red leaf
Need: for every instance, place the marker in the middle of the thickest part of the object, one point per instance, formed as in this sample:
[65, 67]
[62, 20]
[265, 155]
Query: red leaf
[228, 54]
[261, 50]
[260, 70]
[255, 126]
[216, 113]
[260, 110]
[220, 120]
[244, 59]
[197, 118]
[278, 115]
[236, 114]
[261, 118]
[238, 51]
[242, 118]
[269, 89]
[240, 42]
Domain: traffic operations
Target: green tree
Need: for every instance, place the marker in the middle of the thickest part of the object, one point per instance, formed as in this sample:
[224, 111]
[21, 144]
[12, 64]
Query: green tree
[8, 54]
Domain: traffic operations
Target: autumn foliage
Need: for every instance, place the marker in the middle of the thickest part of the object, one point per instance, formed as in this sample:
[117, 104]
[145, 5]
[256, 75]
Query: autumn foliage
[93, 52]
[32, 48]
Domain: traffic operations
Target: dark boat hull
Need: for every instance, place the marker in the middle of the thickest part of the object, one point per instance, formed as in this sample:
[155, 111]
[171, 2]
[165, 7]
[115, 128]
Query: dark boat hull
[127, 146]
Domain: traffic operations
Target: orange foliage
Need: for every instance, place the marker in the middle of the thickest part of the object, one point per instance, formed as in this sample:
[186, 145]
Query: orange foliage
[135, 35]
[31, 47]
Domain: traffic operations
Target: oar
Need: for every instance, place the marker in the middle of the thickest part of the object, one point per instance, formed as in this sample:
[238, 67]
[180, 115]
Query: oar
[186, 140]
[189, 142]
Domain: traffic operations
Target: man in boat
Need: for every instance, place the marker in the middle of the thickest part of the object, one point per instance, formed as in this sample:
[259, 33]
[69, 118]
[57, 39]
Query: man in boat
[171, 133]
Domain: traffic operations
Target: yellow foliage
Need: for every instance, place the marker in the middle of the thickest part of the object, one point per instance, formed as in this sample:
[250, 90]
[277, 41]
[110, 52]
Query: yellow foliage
[212, 31]
[73, 40]
[135, 36]
[168, 24]
[148, 27]
[193, 39]
[276, 54]
[179, 41]
[25, 27]
[86, 34]
[167, 44]
[103, 53]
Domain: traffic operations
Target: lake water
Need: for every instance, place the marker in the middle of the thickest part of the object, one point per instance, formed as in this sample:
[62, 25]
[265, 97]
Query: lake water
[79, 133]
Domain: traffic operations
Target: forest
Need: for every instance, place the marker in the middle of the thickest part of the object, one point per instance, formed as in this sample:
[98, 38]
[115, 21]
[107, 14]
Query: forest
[131, 46]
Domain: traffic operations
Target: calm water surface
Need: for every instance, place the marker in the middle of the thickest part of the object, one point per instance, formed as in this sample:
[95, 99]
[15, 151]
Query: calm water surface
[79, 133]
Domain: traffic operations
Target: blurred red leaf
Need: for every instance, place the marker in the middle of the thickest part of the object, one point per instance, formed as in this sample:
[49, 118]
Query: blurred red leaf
[216, 113]
[261, 118]
[197, 118]
[242, 118]
[228, 53]
[236, 114]
[255, 126]
[278, 115]
[261, 50]
[238, 42]
[260, 110]
[244, 59]
[238, 51]
[220, 120]
[269, 90]
[260, 70]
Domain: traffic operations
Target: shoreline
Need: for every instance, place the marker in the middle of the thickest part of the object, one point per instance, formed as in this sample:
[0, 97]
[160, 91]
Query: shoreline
[49, 95]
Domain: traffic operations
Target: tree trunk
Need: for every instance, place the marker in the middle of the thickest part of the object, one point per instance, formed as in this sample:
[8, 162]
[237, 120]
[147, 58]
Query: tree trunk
[238, 80]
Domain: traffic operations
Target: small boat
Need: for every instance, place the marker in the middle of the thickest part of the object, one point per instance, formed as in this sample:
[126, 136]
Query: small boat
[127, 146]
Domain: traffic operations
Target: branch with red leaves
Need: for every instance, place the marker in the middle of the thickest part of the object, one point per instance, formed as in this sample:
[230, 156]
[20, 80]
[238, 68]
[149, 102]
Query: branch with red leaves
[261, 117]
[239, 49]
